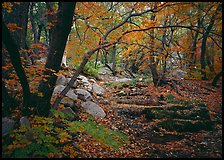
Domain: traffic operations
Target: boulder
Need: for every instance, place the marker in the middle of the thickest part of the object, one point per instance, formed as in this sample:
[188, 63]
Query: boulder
[93, 109]
[74, 84]
[117, 79]
[58, 89]
[71, 94]
[83, 79]
[70, 114]
[104, 71]
[24, 122]
[92, 80]
[67, 101]
[98, 90]
[178, 73]
[90, 88]
[7, 126]
[62, 80]
[83, 94]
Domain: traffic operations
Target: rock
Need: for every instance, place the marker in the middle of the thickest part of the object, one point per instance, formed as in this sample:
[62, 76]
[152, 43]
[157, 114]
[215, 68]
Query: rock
[58, 89]
[83, 79]
[24, 122]
[98, 90]
[93, 109]
[121, 79]
[7, 125]
[104, 71]
[71, 94]
[70, 114]
[67, 101]
[74, 84]
[83, 94]
[178, 73]
[90, 88]
[62, 80]
[92, 80]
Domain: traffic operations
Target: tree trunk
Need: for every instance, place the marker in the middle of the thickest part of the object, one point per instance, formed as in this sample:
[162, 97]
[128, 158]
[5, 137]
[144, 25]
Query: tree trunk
[113, 59]
[215, 80]
[40, 27]
[203, 46]
[151, 60]
[34, 29]
[16, 61]
[19, 16]
[58, 41]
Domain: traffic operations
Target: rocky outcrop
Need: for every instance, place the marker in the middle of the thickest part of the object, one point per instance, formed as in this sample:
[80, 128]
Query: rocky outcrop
[84, 90]
[93, 109]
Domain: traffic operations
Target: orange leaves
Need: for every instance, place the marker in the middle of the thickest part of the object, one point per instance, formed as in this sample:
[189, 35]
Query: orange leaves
[13, 27]
[8, 6]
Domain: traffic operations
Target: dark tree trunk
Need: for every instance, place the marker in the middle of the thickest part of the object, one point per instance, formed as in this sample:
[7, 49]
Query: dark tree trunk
[16, 61]
[210, 58]
[34, 29]
[151, 60]
[215, 80]
[203, 46]
[40, 27]
[19, 16]
[58, 41]
[113, 59]
[154, 72]
[194, 46]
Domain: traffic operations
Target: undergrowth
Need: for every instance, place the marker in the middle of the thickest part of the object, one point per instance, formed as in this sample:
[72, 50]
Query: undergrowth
[44, 139]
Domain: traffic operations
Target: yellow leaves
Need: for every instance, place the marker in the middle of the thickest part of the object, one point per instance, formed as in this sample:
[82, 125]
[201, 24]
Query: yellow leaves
[147, 23]
[49, 25]
[13, 27]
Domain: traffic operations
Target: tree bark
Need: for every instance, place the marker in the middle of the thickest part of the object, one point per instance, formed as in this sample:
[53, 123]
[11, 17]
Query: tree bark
[203, 45]
[58, 41]
[151, 60]
[215, 80]
[113, 59]
[19, 16]
[16, 61]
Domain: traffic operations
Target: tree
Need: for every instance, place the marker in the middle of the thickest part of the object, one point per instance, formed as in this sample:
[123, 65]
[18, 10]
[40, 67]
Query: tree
[58, 39]
[20, 25]
[16, 61]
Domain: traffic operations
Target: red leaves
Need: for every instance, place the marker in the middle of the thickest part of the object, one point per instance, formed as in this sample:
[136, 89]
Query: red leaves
[13, 27]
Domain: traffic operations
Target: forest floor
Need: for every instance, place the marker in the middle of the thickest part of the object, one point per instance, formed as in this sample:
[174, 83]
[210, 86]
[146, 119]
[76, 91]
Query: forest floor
[152, 119]
[125, 107]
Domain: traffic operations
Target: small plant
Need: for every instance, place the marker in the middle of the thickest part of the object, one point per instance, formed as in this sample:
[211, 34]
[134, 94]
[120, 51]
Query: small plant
[46, 140]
